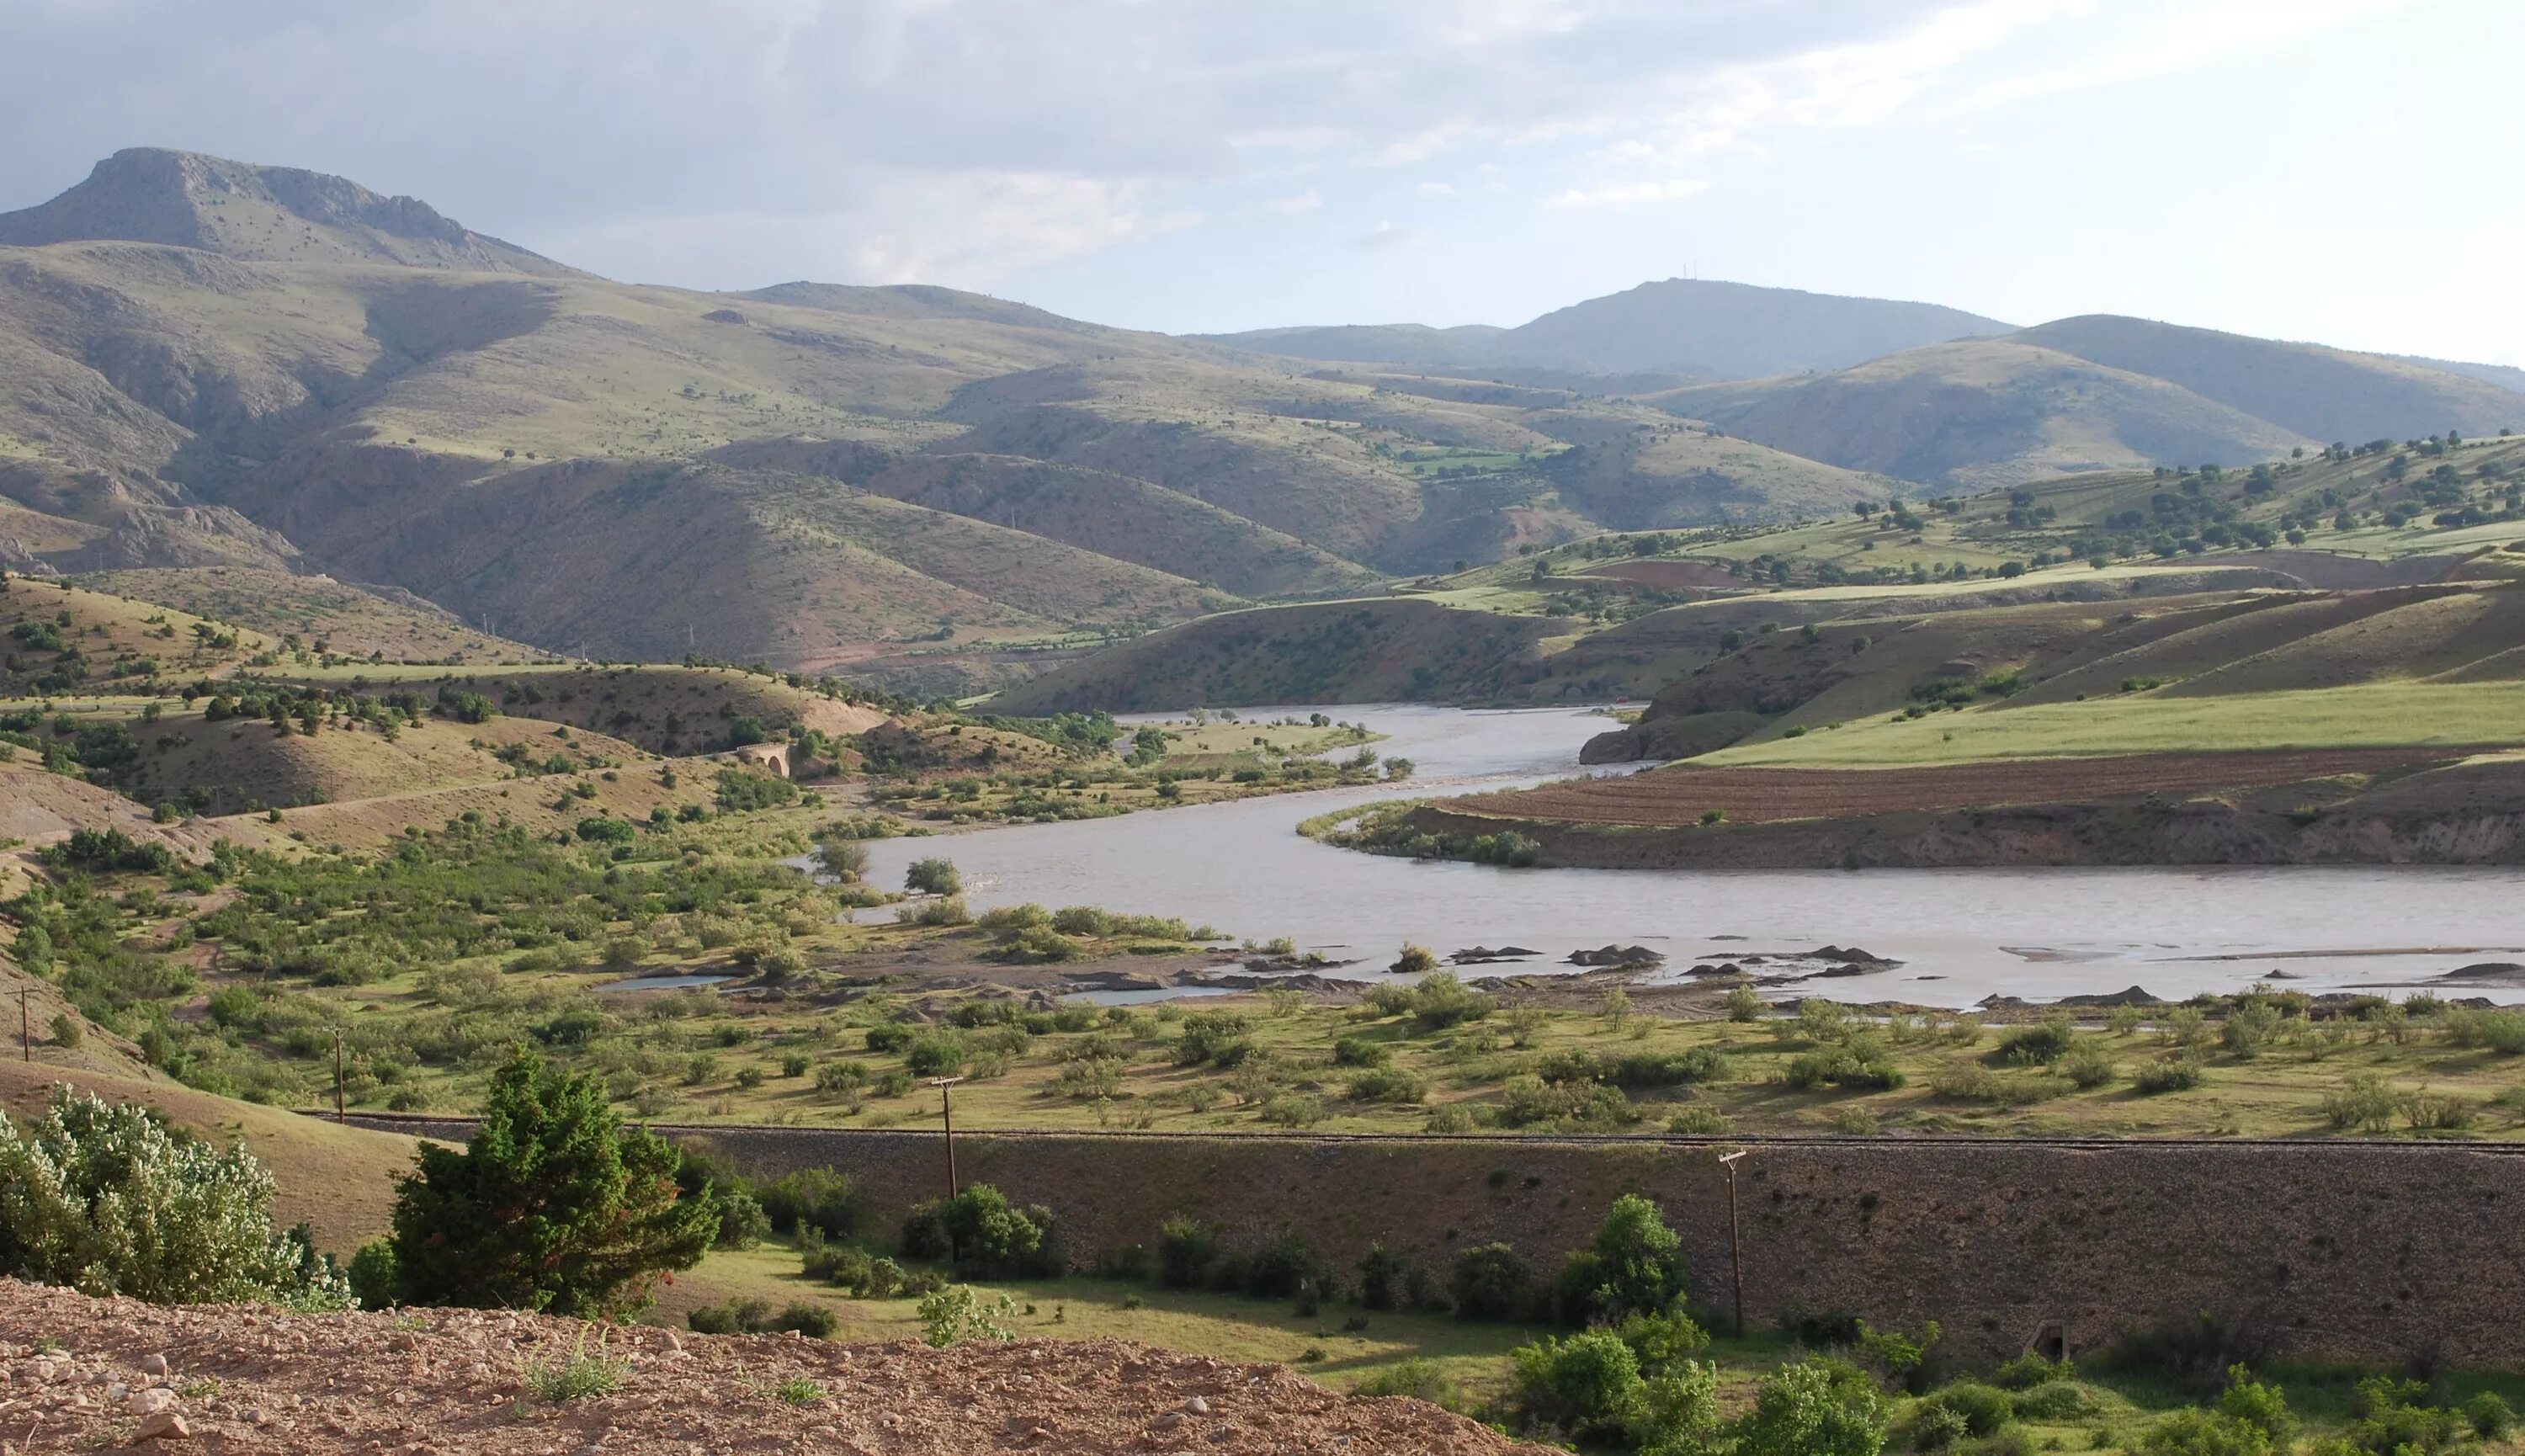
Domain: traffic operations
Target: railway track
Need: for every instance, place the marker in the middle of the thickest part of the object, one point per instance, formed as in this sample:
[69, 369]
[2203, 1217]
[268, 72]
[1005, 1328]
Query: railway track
[388, 1121]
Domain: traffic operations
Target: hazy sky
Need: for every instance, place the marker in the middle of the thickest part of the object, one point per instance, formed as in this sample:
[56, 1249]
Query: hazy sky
[2336, 170]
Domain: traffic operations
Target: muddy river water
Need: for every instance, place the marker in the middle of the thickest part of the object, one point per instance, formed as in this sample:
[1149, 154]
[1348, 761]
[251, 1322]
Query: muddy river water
[1961, 934]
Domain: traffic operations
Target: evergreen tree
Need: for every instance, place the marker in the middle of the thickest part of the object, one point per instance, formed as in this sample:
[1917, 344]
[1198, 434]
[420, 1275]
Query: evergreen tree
[553, 1206]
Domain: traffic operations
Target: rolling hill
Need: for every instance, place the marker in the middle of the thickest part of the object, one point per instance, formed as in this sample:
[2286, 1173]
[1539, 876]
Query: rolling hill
[223, 366]
[1681, 326]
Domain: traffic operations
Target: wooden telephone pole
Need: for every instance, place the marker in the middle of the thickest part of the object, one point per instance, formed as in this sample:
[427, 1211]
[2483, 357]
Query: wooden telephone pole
[947, 1110]
[1735, 1235]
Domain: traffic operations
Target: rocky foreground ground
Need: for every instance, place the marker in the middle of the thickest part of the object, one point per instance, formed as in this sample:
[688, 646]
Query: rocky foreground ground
[79, 1373]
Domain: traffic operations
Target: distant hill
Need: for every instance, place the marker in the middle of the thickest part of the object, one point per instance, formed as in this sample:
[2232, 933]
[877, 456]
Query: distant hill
[2504, 376]
[1983, 413]
[276, 374]
[2330, 395]
[1681, 326]
[270, 213]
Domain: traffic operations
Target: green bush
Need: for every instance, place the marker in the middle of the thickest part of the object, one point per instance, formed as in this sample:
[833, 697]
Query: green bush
[1186, 1250]
[610, 1218]
[1587, 1385]
[1525, 1100]
[1982, 1409]
[1815, 1407]
[106, 1200]
[933, 876]
[985, 1234]
[1669, 1068]
[1388, 1085]
[1285, 1267]
[1360, 1051]
[2178, 1074]
[2039, 1045]
[1383, 1278]
[1214, 1037]
[818, 1198]
[1634, 1266]
[1492, 1281]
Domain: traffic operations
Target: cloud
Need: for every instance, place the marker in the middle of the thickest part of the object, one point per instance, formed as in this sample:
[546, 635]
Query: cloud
[1437, 190]
[1627, 195]
[1385, 237]
[1289, 207]
[986, 136]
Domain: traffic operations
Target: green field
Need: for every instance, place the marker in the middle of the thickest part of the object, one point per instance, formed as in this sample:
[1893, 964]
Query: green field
[2380, 715]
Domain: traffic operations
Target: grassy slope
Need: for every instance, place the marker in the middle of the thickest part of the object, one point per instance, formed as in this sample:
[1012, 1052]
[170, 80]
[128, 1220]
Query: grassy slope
[2371, 714]
[317, 610]
[1364, 651]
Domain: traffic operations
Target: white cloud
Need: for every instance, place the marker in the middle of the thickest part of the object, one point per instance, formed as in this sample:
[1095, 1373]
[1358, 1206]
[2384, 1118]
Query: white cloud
[1627, 195]
[1386, 237]
[1289, 207]
[979, 137]
[1437, 190]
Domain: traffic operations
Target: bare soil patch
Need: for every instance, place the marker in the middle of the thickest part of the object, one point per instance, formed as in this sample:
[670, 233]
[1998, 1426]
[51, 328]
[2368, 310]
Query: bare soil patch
[425, 1381]
[1675, 796]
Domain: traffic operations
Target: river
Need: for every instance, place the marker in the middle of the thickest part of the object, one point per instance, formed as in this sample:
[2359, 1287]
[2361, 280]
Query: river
[1961, 934]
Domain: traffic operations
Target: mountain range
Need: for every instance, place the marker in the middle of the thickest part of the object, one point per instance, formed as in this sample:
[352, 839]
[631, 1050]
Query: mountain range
[219, 367]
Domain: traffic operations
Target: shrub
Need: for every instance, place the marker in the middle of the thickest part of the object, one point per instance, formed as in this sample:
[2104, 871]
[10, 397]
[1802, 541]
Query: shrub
[936, 1054]
[1700, 1064]
[2489, 1415]
[1491, 1281]
[984, 1234]
[1587, 1383]
[2088, 1066]
[1383, 1278]
[1186, 1250]
[1420, 1380]
[1213, 1037]
[106, 1200]
[952, 1316]
[933, 876]
[816, 1198]
[1849, 1067]
[947, 910]
[66, 1031]
[1745, 1004]
[2028, 1370]
[2198, 1433]
[1284, 1268]
[1388, 1085]
[611, 1220]
[1440, 1000]
[2179, 1075]
[1634, 1266]
[2038, 1045]
[1525, 1100]
[1982, 1409]
[1814, 1408]
[1415, 960]
[1360, 1051]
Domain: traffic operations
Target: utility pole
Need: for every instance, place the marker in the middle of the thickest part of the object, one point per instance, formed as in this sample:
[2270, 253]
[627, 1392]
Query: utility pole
[947, 1110]
[341, 1117]
[1735, 1236]
[25, 1026]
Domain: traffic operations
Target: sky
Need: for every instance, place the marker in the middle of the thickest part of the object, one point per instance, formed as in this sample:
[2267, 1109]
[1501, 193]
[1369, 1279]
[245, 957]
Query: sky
[2341, 171]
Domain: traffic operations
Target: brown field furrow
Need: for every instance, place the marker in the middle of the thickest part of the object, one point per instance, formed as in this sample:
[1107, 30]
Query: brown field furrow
[1680, 795]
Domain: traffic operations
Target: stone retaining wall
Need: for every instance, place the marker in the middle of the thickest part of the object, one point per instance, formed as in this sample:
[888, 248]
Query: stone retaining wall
[2361, 1252]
